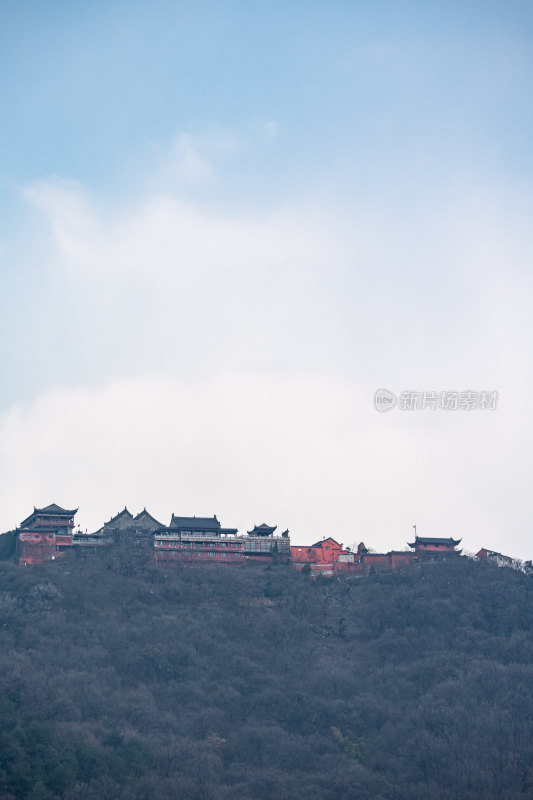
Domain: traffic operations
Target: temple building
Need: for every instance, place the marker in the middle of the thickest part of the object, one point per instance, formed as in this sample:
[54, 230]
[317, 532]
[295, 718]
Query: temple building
[144, 522]
[262, 530]
[124, 524]
[120, 522]
[191, 540]
[202, 526]
[328, 557]
[262, 544]
[492, 557]
[125, 521]
[44, 535]
[194, 539]
[424, 545]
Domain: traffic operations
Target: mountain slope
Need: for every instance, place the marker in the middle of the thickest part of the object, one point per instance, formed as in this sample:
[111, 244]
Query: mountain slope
[123, 680]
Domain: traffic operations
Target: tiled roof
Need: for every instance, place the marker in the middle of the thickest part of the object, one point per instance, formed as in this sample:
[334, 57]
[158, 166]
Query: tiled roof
[262, 530]
[436, 540]
[55, 509]
[143, 514]
[123, 513]
[323, 541]
[195, 523]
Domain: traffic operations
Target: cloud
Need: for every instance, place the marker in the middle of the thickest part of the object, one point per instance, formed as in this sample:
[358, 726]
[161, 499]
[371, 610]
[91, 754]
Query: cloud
[269, 129]
[186, 162]
[225, 362]
[192, 163]
[168, 239]
[294, 451]
[66, 205]
[241, 446]
[163, 283]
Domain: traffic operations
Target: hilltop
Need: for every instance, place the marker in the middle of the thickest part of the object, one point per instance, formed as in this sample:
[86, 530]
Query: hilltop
[123, 680]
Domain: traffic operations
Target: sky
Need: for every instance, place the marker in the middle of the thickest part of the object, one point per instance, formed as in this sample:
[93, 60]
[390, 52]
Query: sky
[224, 226]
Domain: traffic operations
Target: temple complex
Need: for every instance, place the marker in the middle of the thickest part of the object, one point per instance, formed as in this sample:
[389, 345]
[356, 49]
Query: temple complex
[328, 557]
[48, 533]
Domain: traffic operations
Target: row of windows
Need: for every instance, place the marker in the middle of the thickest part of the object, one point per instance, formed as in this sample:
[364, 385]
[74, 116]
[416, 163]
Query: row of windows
[196, 545]
[260, 547]
[214, 544]
[198, 554]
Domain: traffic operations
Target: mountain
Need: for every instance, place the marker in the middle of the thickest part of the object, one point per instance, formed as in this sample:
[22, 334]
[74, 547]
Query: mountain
[124, 681]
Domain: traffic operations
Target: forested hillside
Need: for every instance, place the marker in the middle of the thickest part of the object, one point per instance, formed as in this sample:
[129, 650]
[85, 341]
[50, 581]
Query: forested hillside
[122, 681]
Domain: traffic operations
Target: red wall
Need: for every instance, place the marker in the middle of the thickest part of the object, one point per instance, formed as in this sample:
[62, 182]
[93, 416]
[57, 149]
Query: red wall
[433, 548]
[38, 548]
[323, 559]
[401, 558]
[326, 552]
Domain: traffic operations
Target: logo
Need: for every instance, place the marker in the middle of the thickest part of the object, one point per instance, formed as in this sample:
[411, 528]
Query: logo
[384, 400]
[442, 401]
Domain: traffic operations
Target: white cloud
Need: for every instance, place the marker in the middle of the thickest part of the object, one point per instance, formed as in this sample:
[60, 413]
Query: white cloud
[186, 162]
[168, 284]
[192, 162]
[240, 353]
[66, 206]
[269, 129]
[298, 452]
[169, 240]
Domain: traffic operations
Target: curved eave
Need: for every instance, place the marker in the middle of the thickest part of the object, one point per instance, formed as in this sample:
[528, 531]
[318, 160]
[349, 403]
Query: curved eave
[60, 511]
[427, 541]
[63, 513]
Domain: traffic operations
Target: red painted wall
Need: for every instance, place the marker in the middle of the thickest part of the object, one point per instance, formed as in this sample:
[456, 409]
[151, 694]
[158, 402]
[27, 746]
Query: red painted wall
[434, 548]
[38, 548]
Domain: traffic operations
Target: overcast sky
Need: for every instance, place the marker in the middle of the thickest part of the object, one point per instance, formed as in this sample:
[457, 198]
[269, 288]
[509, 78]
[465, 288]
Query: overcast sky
[224, 226]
